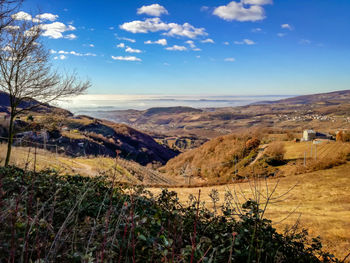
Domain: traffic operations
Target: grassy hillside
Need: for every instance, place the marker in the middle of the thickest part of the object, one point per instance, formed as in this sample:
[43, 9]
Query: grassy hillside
[230, 157]
[127, 172]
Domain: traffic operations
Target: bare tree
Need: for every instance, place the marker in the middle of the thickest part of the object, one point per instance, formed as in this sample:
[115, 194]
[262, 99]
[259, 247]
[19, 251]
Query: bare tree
[26, 73]
[7, 7]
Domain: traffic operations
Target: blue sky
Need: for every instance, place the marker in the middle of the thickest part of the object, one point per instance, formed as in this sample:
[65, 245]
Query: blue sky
[242, 47]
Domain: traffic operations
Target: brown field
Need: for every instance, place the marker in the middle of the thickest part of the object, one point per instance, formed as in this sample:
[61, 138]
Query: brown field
[321, 199]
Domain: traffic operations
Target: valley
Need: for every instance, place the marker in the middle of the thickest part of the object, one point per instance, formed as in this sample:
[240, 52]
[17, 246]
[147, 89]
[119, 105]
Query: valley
[220, 151]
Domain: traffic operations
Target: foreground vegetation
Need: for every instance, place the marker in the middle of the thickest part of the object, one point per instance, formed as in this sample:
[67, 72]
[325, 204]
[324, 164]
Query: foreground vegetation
[319, 201]
[47, 217]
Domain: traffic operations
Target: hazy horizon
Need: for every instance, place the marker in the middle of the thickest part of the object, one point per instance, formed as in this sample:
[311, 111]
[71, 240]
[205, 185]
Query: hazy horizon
[99, 102]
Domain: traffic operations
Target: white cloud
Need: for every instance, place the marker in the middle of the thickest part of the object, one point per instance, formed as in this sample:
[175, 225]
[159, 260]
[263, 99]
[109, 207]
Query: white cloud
[191, 43]
[111, 28]
[149, 25]
[257, 2]
[61, 57]
[204, 8]
[55, 30]
[230, 59]
[38, 18]
[287, 26]
[226, 43]
[176, 48]
[70, 36]
[162, 42]
[91, 45]
[237, 11]
[156, 25]
[121, 45]
[127, 58]
[305, 42]
[47, 16]
[22, 16]
[208, 40]
[255, 30]
[62, 52]
[185, 30]
[152, 10]
[7, 48]
[245, 42]
[131, 50]
[126, 39]
[281, 34]
[10, 28]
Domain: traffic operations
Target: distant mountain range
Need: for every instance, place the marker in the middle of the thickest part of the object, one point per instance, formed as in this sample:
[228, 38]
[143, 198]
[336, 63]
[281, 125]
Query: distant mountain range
[333, 97]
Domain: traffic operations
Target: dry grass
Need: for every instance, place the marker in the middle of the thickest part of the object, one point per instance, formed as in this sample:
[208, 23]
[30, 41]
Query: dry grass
[22, 156]
[126, 171]
[322, 200]
[211, 161]
[324, 150]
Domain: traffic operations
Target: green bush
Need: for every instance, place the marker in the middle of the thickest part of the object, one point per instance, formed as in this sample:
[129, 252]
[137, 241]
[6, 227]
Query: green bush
[45, 217]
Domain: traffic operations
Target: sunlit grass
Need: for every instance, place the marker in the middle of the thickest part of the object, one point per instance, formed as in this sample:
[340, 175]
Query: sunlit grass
[321, 199]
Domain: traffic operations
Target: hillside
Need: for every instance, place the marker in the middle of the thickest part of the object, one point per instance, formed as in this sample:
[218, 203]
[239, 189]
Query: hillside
[215, 161]
[169, 110]
[126, 172]
[331, 98]
[85, 136]
[5, 103]
[233, 157]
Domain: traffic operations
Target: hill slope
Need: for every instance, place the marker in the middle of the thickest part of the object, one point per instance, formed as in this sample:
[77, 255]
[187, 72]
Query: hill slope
[46, 108]
[82, 135]
[330, 97]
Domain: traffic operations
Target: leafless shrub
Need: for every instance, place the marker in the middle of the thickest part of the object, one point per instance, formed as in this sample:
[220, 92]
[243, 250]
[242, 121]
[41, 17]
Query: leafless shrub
[276, 151]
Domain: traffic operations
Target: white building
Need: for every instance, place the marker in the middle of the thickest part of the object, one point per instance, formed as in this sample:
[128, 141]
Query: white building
[309, 135]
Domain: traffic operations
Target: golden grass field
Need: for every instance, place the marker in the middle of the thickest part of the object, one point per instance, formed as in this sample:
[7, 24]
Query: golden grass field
[321, 199]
